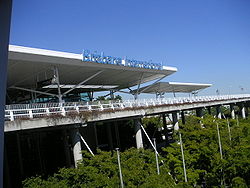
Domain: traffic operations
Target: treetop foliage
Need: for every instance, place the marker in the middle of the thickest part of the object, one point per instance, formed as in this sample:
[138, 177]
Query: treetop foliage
[204, 165]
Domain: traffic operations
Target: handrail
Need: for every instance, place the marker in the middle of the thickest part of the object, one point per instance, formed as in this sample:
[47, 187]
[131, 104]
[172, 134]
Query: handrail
[28, 111]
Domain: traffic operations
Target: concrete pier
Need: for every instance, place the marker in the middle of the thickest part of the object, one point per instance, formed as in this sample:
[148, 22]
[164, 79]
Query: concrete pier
[199, 112]
[110, 137]
[175, 117]
[218, 111]
[66, 147]
[76, 145]
[209, 110]
[242, 110]
[183, 120]
[138, 134]
[232, 110]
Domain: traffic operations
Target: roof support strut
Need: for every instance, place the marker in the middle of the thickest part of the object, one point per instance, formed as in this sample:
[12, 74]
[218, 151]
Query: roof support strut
[152, 84]
[84, 81]
[137, 91]
[35, 91]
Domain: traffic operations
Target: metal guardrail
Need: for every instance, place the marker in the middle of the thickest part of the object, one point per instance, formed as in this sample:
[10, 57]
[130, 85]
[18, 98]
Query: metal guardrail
[29, 111]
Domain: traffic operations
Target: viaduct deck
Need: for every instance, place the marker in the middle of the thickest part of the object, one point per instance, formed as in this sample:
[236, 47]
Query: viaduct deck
[32, 116]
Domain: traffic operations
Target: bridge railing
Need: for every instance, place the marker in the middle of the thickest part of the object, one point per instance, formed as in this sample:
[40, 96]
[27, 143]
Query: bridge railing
[29, 111]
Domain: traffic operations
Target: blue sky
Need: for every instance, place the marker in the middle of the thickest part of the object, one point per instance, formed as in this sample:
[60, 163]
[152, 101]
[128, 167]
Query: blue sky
[208, 41]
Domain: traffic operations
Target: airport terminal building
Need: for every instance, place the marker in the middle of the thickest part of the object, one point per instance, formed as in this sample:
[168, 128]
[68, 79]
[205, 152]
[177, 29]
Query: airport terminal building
[51, 113]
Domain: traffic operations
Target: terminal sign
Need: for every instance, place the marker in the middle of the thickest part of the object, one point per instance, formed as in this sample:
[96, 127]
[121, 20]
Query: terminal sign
[101, 58]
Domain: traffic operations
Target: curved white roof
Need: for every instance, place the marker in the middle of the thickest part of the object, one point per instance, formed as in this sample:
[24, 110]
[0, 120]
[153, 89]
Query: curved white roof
[173, 87]
[27, 66]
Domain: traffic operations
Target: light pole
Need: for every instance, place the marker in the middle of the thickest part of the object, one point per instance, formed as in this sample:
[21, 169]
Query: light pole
[156, 158]
[183, 159]
[119, 165]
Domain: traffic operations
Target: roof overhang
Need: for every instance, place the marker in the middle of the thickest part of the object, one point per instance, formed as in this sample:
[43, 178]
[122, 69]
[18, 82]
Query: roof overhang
[28, 66]
[173, 87]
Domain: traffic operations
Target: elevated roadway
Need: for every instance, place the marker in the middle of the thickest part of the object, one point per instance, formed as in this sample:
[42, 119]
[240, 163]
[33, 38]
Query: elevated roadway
[23, 117]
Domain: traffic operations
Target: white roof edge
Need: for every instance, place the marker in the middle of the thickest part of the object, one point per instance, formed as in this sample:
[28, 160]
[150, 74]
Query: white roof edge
[38, 51]
[170, 68]
[192, 84]
[59, 54]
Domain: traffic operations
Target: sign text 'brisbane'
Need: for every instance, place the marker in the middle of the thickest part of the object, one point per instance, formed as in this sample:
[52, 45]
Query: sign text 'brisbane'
[101, 58]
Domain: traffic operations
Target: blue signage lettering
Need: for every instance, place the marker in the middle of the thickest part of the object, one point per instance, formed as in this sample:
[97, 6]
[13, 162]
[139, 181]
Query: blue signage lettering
[101, 58]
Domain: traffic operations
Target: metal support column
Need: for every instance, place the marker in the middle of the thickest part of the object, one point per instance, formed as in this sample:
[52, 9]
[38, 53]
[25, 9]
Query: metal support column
[56, 73]
[112, 96]
[76, 145]
[232, 111]
[138, 133]
[5, 19]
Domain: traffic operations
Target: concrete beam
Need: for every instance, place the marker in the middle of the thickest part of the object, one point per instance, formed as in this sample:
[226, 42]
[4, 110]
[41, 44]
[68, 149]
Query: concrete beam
[110, 116]
[138, 134]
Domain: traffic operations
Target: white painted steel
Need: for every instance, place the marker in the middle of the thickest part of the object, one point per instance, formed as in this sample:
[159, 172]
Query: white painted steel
[28, 111]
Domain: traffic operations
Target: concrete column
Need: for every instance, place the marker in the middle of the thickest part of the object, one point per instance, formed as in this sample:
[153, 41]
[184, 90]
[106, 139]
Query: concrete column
[232, 111]
[183, 120]
[175, 117]
[20, 160]
[209, 110]
[76, 145]
[110, 138]
[117, 135]
[66, 148]
[95, 131]
[164, 121]
[199, 112]
[138, 134]
[7, 177]
[218, 111]
[243, 112]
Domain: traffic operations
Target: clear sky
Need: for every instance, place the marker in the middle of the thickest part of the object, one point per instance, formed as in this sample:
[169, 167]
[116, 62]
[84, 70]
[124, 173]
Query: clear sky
[207, 40]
